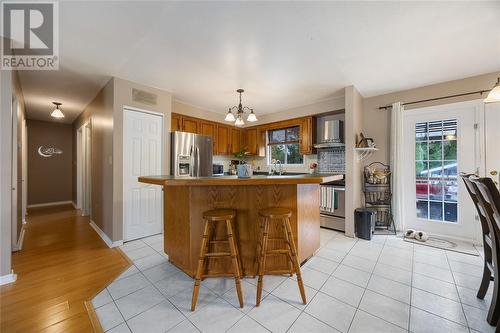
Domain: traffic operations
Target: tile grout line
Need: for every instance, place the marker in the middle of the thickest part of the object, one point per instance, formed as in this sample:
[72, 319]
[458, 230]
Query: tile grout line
[458, 293]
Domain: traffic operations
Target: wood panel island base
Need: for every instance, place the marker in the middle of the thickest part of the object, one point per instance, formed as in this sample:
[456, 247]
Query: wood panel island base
[186, 198]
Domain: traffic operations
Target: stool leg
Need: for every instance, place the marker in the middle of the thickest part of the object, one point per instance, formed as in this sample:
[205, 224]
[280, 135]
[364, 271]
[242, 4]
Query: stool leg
[289, 257]
[295, 261]
[237, 250]
[211, 233]
[201, 263]
[234, 259]
[262, 260]
[258, 247]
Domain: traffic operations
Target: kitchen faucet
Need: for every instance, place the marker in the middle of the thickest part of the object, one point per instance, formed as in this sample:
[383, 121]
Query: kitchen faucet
[276, 170]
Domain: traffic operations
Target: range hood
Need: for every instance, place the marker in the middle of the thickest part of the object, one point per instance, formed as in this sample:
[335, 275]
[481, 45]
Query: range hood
[330, 133]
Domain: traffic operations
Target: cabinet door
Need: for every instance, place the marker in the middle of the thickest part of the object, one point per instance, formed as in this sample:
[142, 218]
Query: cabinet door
[210, 129]
[251, 141]
[176, 124]
[236, 145]
[191, 125]
[306, 136]
[223, 137]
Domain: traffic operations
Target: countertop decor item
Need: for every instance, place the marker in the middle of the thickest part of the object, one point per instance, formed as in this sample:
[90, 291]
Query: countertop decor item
[240, 111]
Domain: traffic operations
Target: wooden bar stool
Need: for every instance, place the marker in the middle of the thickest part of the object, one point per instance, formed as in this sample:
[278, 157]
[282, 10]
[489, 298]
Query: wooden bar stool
[283, 215]
[211, 217]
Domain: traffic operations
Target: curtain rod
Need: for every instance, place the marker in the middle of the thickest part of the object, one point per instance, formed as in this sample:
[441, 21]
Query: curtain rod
[436, 99]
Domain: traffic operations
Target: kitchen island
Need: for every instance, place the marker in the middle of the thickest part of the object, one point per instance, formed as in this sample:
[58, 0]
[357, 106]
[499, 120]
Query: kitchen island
[186, 198]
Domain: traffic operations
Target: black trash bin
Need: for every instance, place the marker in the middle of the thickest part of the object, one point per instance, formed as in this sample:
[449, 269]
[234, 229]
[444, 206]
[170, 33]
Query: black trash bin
[364, 220]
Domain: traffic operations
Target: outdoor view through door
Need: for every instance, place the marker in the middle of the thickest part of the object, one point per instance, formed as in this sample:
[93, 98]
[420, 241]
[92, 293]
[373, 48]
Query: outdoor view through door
[436, 170]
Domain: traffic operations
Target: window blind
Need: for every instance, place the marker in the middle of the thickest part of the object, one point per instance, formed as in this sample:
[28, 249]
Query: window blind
[283, 135]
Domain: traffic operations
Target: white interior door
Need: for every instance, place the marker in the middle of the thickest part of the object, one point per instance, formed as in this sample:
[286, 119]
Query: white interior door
[441, 142]
[142, 155]
[492, 140]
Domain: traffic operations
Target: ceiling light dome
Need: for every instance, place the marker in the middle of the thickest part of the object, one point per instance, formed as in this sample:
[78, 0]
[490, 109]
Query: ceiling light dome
[57, 113]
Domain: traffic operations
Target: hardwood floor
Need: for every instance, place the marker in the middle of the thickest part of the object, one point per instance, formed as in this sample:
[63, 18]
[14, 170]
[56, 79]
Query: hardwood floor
[63, 263]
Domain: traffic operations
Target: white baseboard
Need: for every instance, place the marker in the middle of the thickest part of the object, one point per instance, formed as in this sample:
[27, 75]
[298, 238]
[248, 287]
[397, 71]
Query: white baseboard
[56, 203]
[105, 237]
[9, 278]
[74, 205]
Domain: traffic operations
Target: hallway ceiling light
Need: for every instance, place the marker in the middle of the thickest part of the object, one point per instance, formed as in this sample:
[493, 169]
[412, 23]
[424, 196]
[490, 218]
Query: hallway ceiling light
[240, 111]
[57, 113]
[494, 94]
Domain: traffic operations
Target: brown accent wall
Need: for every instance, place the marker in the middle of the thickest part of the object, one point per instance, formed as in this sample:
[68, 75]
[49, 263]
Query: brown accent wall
[49, 178]
[100, 114]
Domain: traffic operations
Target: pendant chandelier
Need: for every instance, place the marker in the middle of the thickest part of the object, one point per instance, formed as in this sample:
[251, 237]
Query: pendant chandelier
[240, 112]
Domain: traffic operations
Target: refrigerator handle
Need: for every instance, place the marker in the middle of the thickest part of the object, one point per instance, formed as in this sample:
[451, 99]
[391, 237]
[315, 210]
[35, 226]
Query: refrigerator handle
[198, 171]
[191, 161]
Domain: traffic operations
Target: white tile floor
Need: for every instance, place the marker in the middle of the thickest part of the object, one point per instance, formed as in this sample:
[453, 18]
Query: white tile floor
[385, 285]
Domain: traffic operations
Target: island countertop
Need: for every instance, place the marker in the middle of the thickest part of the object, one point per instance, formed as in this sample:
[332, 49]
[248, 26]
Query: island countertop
[234, 180]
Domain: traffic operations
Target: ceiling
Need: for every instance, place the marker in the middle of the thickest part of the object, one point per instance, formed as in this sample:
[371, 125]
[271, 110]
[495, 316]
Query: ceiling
[284, 54]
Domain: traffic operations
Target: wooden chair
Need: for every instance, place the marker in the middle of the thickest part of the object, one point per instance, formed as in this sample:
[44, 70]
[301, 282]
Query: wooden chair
[283, 216]
[489, 241]
[211, 217]
[489, 206]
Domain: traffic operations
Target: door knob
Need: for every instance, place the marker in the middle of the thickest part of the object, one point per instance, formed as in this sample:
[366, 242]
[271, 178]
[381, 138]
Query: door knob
[494, 173]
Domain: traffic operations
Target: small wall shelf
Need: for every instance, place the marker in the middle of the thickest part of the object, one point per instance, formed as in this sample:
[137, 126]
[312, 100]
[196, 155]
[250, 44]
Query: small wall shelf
[364, 153]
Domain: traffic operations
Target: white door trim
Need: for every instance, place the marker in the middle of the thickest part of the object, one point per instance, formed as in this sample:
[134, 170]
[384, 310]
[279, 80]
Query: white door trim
[14, 153]
[436, 113]
[162, 116]
[83, 168]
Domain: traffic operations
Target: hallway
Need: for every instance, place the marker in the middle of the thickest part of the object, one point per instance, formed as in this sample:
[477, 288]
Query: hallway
[63, 263]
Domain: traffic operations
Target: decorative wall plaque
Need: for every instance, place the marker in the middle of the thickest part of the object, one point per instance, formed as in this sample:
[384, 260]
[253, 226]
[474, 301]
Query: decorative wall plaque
[49, 151]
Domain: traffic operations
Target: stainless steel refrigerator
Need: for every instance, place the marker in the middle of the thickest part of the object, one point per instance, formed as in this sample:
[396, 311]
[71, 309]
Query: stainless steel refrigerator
[191, 155]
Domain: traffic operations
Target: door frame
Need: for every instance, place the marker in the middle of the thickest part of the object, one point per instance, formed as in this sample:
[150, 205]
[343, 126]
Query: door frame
[479, 157]
[162, 164]
[83, 168]
[14, 189]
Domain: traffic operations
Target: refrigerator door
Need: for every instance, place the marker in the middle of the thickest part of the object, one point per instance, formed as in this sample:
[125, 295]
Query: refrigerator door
[181, 153]
[203, 156]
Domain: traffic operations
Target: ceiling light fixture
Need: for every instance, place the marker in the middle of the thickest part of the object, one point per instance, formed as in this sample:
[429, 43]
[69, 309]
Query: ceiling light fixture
[57, 113]
[494, 94]
[240, 111]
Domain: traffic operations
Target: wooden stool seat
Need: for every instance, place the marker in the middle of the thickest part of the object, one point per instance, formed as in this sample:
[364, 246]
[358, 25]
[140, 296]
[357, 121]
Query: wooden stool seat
[282, 215]
[276, 213]
[211, 217]
[219, 214]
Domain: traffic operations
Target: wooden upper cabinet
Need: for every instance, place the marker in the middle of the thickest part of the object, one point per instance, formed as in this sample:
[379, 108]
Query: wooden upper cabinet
[176, 124]
[223, 139]
[209, 129]
[191, 125]
[255, 141]
[306, 136]
[236, 144]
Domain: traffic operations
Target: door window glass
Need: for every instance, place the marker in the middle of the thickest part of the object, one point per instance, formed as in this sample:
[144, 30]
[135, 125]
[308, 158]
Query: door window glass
[436, 170]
